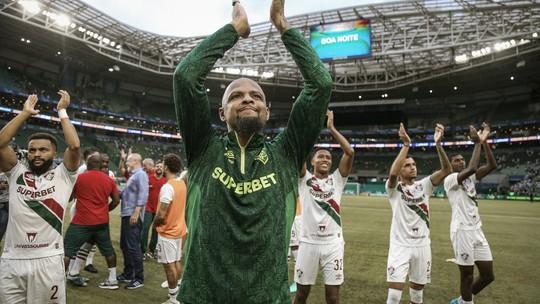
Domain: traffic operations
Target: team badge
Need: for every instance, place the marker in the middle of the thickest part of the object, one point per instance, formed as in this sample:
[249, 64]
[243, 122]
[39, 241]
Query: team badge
[299, 273]
[262, 157]
[465, 256]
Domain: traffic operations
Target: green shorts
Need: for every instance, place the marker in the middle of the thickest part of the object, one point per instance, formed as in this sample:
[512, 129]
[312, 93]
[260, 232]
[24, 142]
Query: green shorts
[77, 235]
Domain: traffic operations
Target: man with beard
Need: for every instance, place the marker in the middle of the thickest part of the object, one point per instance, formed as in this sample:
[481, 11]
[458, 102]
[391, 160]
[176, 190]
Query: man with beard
[31, 269]
[170, 224]
[155, 181]
[242, 188]
[468, 240]
[321, 236]
[410, 252]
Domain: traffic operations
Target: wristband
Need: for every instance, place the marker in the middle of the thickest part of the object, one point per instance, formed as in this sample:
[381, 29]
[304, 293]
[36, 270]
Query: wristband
[234, 2]
[62, 113]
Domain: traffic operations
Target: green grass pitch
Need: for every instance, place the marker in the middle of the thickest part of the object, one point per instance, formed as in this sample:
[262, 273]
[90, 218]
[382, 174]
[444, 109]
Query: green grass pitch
[512, 229]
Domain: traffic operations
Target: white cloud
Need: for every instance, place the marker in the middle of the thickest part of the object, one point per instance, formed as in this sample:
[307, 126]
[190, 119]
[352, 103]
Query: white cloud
[202, 17]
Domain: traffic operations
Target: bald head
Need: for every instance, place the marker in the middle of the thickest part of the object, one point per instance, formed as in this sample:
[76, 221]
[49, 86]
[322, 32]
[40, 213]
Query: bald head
[236, 84]
[93, 162]
[244, 107]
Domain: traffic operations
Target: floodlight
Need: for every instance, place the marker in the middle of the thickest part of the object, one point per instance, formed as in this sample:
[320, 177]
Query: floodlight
[30, 6]
[62, 20]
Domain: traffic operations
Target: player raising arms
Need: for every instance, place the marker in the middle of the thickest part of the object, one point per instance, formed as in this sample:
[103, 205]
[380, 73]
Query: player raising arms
[31, 269]
[410, 251]
[470, 244]
[321, 236]
[242, 188]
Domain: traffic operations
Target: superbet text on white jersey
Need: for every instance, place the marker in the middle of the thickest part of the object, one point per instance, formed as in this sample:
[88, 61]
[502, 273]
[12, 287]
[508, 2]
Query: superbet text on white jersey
[410, 213]
[36, 211]
[321, 208]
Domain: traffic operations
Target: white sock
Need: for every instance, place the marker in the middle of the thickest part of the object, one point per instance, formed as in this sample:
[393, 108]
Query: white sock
[112, 274]
[417, 296]
[71, 266]
[90, 258]
[294, 253]
[173, 293]
[77, 265]
[394, 295]
[461, 301]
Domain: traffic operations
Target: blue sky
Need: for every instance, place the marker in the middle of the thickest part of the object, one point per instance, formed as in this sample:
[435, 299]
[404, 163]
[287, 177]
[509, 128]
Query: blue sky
[202, 17]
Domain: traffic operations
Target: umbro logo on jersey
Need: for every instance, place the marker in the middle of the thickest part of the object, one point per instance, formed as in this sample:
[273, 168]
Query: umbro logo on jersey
[31, 236]
[49, 176]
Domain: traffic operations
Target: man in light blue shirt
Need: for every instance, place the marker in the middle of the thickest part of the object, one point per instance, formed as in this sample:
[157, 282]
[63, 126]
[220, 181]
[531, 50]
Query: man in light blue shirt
[134, 198]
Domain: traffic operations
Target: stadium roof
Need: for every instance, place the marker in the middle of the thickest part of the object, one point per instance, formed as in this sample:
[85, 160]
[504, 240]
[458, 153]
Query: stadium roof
[412, 40]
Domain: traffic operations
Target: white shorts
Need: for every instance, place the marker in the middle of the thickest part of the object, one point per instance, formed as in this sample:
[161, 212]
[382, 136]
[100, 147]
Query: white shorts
[295, 232]
[470, 246]
[33, 281]
[168, 250]
[327, 257]
[412, 261]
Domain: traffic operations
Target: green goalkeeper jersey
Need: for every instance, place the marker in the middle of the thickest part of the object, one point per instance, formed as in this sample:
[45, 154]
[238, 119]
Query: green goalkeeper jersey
[241, 200]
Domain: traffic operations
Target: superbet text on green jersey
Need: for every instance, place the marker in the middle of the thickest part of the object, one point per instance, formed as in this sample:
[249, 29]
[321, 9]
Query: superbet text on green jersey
[36, 211]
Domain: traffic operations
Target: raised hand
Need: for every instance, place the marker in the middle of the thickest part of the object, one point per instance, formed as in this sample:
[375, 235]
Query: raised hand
[239, 20]
[123, 154]
[277, 15]
[64, 100]
[30, 104]
[329, 119]
[439, 132]
[473, 134]
[403, 135]
[484, 134]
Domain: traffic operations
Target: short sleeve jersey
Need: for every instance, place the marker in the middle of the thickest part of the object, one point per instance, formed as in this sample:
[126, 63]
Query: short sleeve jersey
[92, 190]
[321, 208]
[410, 213]
[463, 201]
[36, 211]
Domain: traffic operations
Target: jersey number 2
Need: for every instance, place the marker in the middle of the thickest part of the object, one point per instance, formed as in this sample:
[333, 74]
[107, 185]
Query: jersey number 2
[54, 289]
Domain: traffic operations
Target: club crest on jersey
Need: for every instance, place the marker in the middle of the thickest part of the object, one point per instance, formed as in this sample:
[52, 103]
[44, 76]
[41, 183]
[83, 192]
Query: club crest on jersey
[299, 273]
[465, 256]
[262, 157]
[322, 228]
[31, 236]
